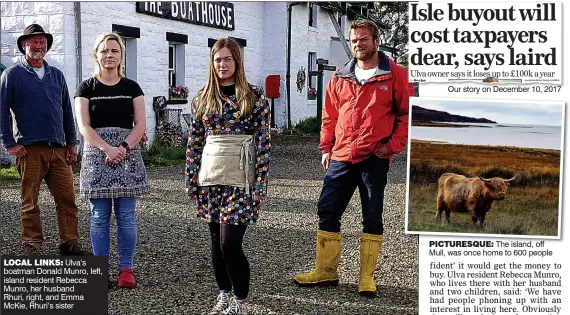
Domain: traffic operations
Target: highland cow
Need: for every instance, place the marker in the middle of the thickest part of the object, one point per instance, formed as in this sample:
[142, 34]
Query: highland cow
[475, 195]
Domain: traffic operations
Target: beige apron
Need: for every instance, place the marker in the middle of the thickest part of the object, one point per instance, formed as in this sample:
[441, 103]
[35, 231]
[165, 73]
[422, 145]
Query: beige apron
[228, 160]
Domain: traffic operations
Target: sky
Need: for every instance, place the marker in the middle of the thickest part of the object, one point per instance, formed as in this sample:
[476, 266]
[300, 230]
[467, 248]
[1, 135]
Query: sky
[527, 113]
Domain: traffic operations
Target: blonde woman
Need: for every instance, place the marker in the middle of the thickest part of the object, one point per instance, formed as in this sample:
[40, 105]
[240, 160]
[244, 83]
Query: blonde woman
[226, 167]
[107, 106]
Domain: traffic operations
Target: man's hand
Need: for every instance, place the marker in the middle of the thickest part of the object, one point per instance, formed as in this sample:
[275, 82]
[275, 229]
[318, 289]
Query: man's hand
[325, 160]
[17, 150]
[71, 154]
[382, 152]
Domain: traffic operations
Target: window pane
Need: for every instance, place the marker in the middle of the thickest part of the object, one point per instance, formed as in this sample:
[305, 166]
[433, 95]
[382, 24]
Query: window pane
[171, 60]
[126, 63]
[312, 66]
[171, 78]
[310, 14]
[130, 58]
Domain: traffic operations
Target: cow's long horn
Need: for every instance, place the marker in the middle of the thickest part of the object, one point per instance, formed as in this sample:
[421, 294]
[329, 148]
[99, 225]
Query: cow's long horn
[508, 180]
[483, 179]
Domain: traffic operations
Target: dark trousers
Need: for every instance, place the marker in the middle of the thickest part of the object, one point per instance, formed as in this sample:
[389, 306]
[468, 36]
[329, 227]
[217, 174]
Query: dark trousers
[231, 267]
[340, 182]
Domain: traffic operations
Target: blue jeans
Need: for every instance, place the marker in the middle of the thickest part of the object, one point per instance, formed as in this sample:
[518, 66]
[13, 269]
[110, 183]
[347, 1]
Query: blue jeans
[340, 182]
[126, 225]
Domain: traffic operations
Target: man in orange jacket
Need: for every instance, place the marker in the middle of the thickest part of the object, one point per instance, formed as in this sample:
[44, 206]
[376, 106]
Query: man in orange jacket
[365, 122]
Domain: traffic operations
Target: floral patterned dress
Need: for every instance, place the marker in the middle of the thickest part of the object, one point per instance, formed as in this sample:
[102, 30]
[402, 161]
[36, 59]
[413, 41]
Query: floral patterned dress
[227, 204]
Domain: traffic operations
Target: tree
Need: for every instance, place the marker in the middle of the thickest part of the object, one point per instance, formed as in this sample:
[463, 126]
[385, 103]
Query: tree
[392, 20]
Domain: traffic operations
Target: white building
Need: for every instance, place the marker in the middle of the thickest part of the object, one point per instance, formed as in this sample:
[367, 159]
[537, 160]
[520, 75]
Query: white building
[169, 43]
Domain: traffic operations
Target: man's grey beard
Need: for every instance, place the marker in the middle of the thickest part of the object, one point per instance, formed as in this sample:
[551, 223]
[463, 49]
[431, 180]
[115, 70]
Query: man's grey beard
[38, 55]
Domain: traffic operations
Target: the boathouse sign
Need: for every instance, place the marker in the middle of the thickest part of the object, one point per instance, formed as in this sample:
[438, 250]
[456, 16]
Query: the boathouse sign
[211, 14]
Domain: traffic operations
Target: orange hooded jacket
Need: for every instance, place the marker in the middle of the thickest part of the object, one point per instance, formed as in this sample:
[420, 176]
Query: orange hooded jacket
[358, 119]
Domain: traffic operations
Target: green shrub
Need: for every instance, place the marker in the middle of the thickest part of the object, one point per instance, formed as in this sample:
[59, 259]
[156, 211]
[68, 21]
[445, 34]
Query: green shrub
[308, 126]
[9, 173]
[160, 154]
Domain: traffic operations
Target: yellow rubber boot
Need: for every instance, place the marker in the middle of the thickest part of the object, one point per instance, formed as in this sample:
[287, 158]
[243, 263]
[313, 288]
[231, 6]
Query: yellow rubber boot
[327, 259]
[370, 245]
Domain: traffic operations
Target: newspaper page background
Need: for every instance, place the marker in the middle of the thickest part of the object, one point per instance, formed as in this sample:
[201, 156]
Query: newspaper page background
[528, 299]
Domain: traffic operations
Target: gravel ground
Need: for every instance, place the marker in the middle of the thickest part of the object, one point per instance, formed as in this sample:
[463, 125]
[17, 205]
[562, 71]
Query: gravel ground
[172, 264]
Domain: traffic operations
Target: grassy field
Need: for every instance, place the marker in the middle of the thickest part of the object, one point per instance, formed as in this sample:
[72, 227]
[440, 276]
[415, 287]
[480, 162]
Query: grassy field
[531, 204]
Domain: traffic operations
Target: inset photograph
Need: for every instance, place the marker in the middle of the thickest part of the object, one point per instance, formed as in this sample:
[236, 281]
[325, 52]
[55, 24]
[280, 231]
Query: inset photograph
[485, 167]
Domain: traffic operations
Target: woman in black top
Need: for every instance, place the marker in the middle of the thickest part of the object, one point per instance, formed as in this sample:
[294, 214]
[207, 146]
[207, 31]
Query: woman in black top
[107, 106]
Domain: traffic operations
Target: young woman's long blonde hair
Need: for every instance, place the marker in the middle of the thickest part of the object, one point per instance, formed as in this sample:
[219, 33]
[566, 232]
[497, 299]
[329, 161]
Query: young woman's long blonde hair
[210, 97]
[101, 39]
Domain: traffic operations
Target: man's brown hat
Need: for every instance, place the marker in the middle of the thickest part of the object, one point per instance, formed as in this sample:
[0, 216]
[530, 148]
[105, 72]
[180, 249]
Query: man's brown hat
[32, 30]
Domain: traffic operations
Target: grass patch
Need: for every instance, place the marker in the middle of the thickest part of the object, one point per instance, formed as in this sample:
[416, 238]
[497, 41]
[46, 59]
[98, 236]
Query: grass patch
[9, 173]
[531, 203]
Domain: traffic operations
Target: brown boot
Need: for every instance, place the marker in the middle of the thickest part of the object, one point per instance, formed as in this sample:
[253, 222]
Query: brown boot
[327, 258]
[370, 245]
[30, 249]
[74, 248]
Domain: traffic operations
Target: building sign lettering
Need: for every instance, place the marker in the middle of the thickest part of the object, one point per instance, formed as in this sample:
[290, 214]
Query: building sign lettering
[211, 14]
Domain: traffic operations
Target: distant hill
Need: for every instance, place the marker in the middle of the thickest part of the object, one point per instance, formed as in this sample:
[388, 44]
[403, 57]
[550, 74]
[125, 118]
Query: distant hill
[424, 114]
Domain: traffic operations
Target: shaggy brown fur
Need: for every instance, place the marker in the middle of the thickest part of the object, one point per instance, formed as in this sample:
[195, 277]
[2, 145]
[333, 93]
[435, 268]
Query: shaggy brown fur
[475, 195]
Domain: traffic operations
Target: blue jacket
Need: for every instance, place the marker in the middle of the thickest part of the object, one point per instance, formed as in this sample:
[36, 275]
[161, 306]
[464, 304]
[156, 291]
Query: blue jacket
[41, 107]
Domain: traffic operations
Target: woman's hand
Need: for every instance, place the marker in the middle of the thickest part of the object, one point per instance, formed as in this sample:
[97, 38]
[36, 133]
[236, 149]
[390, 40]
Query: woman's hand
[115, 154]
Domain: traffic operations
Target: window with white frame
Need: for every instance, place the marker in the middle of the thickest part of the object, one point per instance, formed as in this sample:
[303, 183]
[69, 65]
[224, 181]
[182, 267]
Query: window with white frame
[130, 35]
[130, 60]
[176, 59]
[312, 66]
[171, 65]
